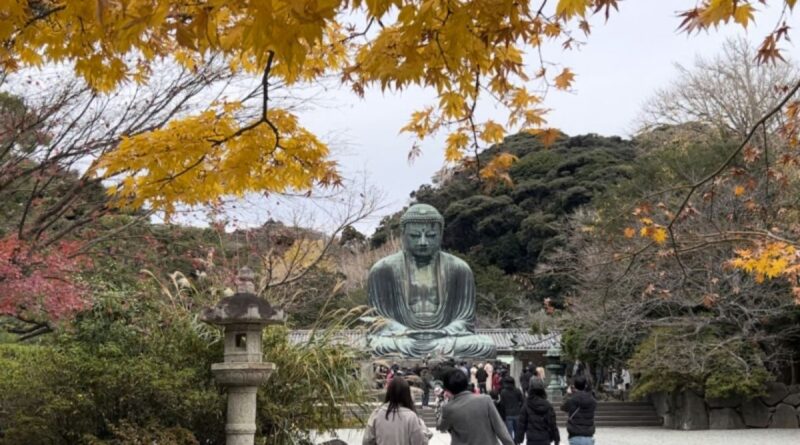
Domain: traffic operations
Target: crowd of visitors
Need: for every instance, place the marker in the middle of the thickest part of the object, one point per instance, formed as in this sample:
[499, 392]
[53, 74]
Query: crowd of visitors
[479, 408]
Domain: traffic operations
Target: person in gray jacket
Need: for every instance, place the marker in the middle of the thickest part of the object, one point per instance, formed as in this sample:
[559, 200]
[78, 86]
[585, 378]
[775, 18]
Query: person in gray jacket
[470, 419]
[395, 422]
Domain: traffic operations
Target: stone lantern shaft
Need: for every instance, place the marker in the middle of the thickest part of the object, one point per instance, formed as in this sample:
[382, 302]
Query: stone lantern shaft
[242, 317]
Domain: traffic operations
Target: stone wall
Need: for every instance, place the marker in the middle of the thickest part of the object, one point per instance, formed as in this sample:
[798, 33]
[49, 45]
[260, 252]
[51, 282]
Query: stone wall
[686, 410]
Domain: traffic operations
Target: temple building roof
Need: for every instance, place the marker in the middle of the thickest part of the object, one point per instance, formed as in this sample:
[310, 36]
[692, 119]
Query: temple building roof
[505, 340]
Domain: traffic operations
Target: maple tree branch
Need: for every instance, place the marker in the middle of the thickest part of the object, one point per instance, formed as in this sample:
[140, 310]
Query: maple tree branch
[39, 330]
[34, 328]
[265, 85]
[767, 205]
[693, 188]
[112, 233]
[475, 144]
[677, 253]
[363, 33]
[28, 204]
[74, 226]
[264, 109]
[725, 164]
[541, 8]
[40, 16]
[189, 168]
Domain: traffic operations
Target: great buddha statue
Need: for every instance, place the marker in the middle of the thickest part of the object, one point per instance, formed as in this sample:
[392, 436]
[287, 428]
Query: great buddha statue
[425, 297]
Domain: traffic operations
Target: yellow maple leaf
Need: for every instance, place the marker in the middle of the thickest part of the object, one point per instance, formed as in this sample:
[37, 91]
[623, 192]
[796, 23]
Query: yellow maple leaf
[492, 133]
[535, 117]
[497, 168]
[547, 136]
[571, 8]
[452, 104]
[743, 14]
[738, 190]
[552, 29]
[455, 145]
[564, 80]
[659, 235]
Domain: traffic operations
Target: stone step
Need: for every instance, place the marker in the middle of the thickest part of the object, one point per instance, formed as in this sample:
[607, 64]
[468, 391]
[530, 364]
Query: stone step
[607, 414]
[431, 423]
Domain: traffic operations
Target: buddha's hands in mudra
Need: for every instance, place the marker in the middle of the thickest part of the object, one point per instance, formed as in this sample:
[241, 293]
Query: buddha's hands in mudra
[424, 334]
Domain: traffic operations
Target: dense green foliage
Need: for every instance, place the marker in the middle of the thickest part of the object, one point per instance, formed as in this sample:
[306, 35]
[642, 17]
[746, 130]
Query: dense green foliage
[121, 369]
[136, 368]
[720, 376]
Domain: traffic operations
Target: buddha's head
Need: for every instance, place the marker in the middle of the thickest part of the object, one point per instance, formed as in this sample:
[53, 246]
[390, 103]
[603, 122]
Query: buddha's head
[422, 230]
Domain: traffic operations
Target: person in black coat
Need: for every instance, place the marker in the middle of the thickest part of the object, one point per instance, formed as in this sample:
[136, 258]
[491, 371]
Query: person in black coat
[481, 375]
[510, 403]
[537, 420]
[580, 408]
[525, 379]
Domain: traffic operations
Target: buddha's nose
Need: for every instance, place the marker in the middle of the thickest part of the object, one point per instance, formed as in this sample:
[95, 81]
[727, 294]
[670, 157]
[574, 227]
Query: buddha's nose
[423, 241]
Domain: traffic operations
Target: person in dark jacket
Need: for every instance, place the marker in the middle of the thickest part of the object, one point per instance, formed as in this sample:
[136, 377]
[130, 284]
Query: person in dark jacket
[511, 401]
[525, 379]
[580, 409]
[481, 375]
[537, 420]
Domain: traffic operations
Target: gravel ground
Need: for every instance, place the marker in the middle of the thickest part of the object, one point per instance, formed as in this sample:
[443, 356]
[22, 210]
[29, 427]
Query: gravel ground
[645, 436]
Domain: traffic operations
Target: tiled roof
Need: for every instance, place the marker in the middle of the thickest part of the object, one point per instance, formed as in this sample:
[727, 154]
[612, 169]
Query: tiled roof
[504, 339]
[520, 339]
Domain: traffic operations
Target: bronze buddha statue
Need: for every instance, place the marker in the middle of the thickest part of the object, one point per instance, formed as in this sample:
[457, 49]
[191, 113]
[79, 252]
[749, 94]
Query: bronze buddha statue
[426, 297]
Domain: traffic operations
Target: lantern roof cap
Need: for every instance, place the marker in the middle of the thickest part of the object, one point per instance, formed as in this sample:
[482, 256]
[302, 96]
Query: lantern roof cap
[243, 307]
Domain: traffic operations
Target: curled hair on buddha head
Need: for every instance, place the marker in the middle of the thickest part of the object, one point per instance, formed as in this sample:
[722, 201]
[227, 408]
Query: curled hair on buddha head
[455, 381]
[398, 394]
[422, 213]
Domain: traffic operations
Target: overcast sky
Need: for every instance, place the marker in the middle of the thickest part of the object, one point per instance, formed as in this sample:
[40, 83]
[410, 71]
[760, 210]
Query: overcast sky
[622, 63]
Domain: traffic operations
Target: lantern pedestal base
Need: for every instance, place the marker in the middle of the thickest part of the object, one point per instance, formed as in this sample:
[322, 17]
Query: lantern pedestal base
[241, 373]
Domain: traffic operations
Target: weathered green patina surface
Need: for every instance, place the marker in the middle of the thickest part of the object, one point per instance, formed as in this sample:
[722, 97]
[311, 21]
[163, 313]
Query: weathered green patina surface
[426, 297]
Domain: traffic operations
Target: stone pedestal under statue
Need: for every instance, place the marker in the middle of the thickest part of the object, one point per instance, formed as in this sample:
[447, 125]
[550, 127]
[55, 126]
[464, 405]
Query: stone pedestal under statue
[425, 298]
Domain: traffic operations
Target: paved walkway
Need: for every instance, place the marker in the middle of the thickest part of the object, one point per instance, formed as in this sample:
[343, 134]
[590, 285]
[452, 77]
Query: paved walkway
[645, 436]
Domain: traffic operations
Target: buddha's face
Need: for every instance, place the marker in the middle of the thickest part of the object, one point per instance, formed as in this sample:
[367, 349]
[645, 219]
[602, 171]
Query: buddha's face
[422, 239]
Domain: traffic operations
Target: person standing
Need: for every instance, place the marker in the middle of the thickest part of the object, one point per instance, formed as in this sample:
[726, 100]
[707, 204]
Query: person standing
[497, 380]
[473, 377]
[395, 422]
[537, 420]
[481, 375]
[580, 407]
[541, 374]
[511, 400]
[469, 418]
[489, 377]
[525, 379]
[427, 385]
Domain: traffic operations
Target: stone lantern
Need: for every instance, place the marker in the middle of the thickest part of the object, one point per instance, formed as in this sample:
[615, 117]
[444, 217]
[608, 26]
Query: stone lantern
[553, 357]
[242, 317]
